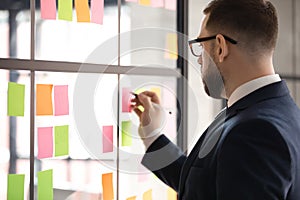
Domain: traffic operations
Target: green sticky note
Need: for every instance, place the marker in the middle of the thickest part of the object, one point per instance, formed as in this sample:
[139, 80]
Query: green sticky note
[45, 185]
[61, 140]
[15, 99]
[15, 186]
[65, 10]
[126, 133]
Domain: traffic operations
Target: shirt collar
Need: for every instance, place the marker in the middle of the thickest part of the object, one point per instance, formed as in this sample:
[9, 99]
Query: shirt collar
[251, 86]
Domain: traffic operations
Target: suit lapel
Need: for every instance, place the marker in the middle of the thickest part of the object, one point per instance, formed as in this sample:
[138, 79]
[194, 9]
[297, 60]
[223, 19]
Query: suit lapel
[187, 165]
[270, 91]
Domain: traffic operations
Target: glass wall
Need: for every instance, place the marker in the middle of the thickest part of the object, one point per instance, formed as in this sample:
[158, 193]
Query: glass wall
[77, 138]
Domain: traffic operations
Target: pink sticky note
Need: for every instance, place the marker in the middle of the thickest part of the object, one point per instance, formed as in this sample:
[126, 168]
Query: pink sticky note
[126, 97]
[45, 142]
[107, 139]
[97, 8]
[48, 9]
[170, 4]
[157, 3]
[61, 100]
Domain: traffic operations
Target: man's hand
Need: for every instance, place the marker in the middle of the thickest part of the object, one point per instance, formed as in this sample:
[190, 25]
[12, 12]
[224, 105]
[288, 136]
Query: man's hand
[152, 119]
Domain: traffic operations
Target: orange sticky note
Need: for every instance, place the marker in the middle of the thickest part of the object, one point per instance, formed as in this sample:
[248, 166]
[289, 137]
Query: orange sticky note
[172, 195]
[48, 9]
[131, 198]
[107, 185]
[147, 195]
[97, 8]
[171, 46]
[82, 11]
[145, 2]
[44, 99]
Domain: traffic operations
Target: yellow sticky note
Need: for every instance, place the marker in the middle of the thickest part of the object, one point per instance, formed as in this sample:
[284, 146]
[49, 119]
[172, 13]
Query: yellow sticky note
[82, 11]
[147, 195]
[44, 99]
[138, 91]
[145, 2]
[157, 91]
[65, 10]
[126, 133]
[131, 198]
[171, 46]
[172, 195]
[107, 185]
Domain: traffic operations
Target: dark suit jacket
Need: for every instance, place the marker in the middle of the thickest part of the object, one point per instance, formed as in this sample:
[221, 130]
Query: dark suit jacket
[254, 153]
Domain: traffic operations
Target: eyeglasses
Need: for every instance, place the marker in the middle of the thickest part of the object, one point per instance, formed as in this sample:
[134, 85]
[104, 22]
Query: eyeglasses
[197, 48]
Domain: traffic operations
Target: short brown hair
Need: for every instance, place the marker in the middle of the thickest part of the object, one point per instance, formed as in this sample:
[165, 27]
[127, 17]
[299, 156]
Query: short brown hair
[253, 23]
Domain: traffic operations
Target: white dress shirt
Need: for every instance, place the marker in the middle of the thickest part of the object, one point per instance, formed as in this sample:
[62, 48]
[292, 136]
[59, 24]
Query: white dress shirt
[251, 86]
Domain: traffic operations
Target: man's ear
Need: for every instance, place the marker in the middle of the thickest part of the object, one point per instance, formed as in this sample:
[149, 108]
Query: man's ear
[222, 48]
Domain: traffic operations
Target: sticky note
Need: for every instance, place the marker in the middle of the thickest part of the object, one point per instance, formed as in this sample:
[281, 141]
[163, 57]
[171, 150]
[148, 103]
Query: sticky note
[126, 133]
[15, 99]
[157, 91]
[107, 185]
[61, 100]
[145, 2]
[44, 99]
[172, 195]
[61, 140]
[170, 4]
[48, 9]
[45, 142]
[171, 46]
[126, 97]
[65, 10]
[45, 185]
[131, 198]
[140, 90]
[147, 195]
[97, 11]
[15, 186]
[157, 3]
[107, 139]
[82, 11]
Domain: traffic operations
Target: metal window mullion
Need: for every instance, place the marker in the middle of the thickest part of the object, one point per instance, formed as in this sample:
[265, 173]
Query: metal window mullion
[294, 34]
[53, 66]
[32, 98]
[182, 66]
[118, 100]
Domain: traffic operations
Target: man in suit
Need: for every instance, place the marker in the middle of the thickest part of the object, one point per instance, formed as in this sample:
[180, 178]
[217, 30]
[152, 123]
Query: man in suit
[252, 149]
